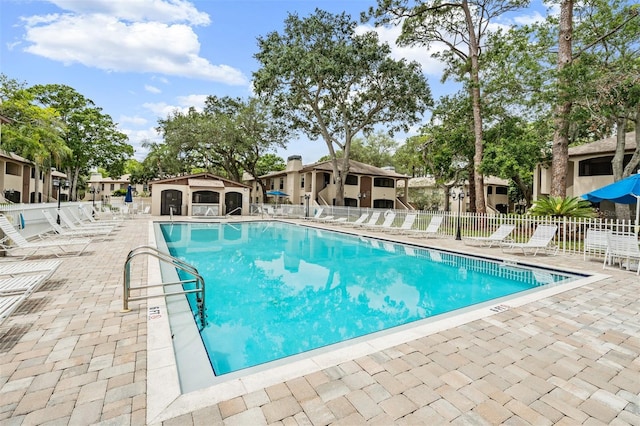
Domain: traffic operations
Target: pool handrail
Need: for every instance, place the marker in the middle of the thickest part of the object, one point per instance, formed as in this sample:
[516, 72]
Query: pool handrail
[177, 263]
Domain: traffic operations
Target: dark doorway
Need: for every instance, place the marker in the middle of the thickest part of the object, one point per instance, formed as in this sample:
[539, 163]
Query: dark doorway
[233, 203]
[171, 199]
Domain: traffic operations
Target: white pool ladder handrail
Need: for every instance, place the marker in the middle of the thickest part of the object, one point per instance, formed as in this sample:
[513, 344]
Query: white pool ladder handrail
[177, 263]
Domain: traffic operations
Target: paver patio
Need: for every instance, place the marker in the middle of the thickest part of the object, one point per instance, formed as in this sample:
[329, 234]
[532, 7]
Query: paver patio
[69, 356]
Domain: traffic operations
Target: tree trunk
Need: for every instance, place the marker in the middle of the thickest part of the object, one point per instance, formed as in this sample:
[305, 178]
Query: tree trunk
[560, 149]
[478, 179]
[623, 211]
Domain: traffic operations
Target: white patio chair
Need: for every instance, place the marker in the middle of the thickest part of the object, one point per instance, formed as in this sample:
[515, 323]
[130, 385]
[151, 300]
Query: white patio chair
[72, 233]
[72, 222]
[622, 247]
[406, 225]
[372, 220]
[363, 217]
[542, 239]
[14, 290]
[385, 225]
[432, 228]
[596, 241]
[14, 269]
[499, 236]
[14, 243]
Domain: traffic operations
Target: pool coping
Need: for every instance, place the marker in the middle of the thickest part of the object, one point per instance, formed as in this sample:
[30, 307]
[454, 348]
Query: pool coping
[165, 399]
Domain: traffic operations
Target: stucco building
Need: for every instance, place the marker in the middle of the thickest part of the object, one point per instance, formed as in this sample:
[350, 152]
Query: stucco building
[365, 185]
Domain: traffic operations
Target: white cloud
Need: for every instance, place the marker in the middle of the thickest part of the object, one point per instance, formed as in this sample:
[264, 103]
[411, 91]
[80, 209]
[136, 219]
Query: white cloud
[529, 19]
[138, 121]
[107, 42]
[137, 137]
[419, 54]
[163, 109]
[151, 89]
[196, 101]
[138, 10]
[160, 79]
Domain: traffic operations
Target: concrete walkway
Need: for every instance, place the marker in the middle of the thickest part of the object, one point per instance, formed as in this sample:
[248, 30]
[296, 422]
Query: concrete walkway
[68, 356]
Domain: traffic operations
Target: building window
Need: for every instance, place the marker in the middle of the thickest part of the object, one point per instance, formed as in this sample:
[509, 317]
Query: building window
[382, 204]
[384, 182]
[205, 197]
[327, 178]
[281, 183]
[351, 180]
[595, 167]
[501, 190]
[489, 190]
[302, 181]
[350, 202]
[112, 187]
[12, 195]
[13, 169]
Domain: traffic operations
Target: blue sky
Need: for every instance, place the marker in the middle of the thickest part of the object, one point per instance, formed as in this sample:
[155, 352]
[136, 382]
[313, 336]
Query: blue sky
[141, 59]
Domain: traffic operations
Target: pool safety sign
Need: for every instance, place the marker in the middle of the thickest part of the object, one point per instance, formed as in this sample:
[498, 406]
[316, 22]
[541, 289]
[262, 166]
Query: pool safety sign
[154, 312]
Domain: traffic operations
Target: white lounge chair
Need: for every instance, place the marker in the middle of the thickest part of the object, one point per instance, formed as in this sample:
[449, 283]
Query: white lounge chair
[621, 248]
[92, 219]
[432, 228]
[363, 217]
[385, 225]
[72, 233]
[335, 220]
[542, 239]
[14, 290]
[372, 220]
[406, 225]
[14, 269]
[500, 235]
[316, 215]
[13, 243]
[74, 224]
[319, 218]
[595, 241]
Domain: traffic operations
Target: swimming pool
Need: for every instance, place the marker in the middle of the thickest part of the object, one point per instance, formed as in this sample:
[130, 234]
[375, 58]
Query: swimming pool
[276, 289]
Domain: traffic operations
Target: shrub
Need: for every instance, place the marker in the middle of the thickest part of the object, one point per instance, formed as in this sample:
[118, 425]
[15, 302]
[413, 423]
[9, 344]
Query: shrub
[562, 207]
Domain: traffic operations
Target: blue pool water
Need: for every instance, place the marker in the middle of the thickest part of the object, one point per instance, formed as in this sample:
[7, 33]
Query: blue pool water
[275, 289]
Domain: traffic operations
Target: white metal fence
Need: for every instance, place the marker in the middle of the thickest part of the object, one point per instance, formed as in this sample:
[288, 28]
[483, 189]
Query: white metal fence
[30, 221]
[569, 238]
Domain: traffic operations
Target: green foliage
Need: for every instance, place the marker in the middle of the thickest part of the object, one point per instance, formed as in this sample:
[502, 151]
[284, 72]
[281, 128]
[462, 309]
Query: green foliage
[328, 81]
[425, 199]
[228, 138]
[562, 207]
[90, 135]
[119, 192]
[269, 163]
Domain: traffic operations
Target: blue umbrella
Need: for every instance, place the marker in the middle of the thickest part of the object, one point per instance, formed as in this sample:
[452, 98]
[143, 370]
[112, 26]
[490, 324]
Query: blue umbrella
[624, 191]
[277, 194]
[129, 197]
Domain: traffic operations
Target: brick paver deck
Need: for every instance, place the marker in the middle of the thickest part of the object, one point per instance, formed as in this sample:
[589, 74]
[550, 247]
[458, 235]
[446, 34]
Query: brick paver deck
[69, 356]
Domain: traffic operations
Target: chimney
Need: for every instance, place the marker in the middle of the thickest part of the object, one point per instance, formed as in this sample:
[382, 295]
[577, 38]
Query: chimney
[294, 163]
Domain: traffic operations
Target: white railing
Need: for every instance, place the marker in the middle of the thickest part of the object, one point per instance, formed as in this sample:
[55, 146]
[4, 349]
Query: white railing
[569, 238]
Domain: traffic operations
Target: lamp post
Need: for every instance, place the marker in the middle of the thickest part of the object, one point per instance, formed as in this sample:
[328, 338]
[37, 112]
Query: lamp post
[94, 190]
[361, 195]
[57, 183]
[306, 205]
[458, 196]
